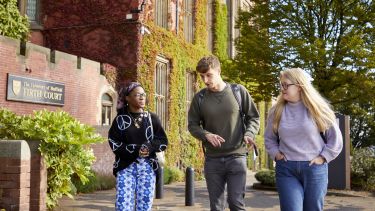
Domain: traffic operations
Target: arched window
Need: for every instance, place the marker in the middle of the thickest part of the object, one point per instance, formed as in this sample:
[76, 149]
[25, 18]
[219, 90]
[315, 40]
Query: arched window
[107, 105]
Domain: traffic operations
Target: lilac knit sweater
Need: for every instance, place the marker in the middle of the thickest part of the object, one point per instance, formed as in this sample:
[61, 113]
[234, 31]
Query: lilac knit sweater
[299, 136]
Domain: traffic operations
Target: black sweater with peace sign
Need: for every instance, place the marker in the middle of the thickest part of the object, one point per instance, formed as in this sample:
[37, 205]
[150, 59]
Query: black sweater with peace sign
[125, 139]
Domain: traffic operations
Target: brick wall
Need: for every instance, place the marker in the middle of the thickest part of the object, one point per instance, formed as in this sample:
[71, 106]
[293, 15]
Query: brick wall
[83, 86]
[103, 153]
[14, 175]
[83, 90]
[95, 30]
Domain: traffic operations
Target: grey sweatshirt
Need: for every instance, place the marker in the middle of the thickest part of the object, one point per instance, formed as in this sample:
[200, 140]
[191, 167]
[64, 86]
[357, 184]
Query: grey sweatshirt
[300, 138]
[221, 116]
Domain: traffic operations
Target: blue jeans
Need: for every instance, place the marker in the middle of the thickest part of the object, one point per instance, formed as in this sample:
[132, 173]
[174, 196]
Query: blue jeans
[300, 186]
[230, 171]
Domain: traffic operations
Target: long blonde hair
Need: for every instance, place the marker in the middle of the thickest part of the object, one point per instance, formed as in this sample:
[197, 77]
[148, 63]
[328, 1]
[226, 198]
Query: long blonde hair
[318, 107]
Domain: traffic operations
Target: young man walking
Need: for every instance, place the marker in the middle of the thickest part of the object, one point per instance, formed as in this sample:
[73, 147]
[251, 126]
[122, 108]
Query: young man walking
[225, 119]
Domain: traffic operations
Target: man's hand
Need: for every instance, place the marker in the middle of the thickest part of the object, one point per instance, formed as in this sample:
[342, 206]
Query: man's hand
[318, 160]
[214, 139]
[248, 140]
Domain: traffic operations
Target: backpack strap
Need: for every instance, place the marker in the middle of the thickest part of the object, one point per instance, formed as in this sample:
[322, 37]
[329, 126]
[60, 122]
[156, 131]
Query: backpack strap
[237, 94]
[201, 94]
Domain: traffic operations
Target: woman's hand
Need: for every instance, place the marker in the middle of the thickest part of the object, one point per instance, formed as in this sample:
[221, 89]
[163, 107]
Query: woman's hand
[280, 156]
[319, 160]
[144, 152]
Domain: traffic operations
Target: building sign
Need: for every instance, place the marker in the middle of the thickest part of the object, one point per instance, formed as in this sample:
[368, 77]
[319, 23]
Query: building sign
[34, 90]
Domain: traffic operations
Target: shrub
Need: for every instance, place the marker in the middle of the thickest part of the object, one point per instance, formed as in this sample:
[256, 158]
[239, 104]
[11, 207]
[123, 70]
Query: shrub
[363, 169]
[266, 177]
[12, 23]
[96, 182]
[63, 146]
[173, 174]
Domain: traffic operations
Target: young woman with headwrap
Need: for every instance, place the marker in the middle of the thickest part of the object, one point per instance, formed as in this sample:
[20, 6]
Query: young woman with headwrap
[134, 137]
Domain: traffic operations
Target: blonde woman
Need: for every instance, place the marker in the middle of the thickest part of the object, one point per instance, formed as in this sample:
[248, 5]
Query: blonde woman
[302, 137]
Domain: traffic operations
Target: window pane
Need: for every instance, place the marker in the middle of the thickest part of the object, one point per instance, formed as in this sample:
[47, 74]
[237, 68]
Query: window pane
[188, 20]
[161, 13]
[210, 25]
[106, 97]
[161, 90]
[31, 10]
[109, 115]
[107, 105]
[103, 115]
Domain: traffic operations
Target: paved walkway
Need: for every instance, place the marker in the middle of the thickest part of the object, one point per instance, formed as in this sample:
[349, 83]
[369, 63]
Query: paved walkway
[257, 200]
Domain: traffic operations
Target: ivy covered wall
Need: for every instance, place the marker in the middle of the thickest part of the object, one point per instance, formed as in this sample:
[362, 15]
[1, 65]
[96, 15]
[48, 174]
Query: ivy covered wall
[183, 150]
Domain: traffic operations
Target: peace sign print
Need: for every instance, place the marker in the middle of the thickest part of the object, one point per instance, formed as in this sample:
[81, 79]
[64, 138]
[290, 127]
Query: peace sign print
[123, 121]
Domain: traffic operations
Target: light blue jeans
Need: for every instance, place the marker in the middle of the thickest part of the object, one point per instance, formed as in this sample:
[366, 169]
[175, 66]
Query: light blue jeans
[135, 187]
[301, 187]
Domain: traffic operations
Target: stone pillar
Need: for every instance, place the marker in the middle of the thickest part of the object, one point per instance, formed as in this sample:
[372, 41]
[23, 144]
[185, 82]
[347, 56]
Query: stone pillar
[38, 178]
[14, 175]
[339, 169]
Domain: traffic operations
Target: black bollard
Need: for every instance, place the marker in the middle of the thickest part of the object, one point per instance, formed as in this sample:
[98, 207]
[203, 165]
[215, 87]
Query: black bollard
[160, 183]
[189, 187]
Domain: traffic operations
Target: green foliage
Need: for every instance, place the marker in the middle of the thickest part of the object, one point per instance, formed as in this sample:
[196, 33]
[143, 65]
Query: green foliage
[95, 182]
[266, 177]
[183, 56]
[332, 40]
[12, 24]
[173, 174]
[254, 56]
[220, 31]
[363, 169]
[64, 146]
[183, 149]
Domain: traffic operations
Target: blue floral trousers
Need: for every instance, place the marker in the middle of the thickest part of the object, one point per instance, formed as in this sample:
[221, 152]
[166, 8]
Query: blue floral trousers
[135, 187]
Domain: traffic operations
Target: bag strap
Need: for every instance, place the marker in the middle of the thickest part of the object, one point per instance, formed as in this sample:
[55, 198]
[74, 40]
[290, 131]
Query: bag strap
[152, 127]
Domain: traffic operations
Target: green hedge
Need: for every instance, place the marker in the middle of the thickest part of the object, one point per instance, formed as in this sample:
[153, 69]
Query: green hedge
[266, 177]
[64, 142]
[95, 182]
[12, 23]
[363, 169]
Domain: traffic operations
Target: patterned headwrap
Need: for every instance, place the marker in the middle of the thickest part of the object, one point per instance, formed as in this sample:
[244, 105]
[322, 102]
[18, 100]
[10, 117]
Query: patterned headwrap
[125, 91]
[131, 87]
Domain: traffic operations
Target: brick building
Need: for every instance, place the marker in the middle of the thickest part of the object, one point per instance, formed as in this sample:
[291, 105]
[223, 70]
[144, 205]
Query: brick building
[112, 33]
[83, 50]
